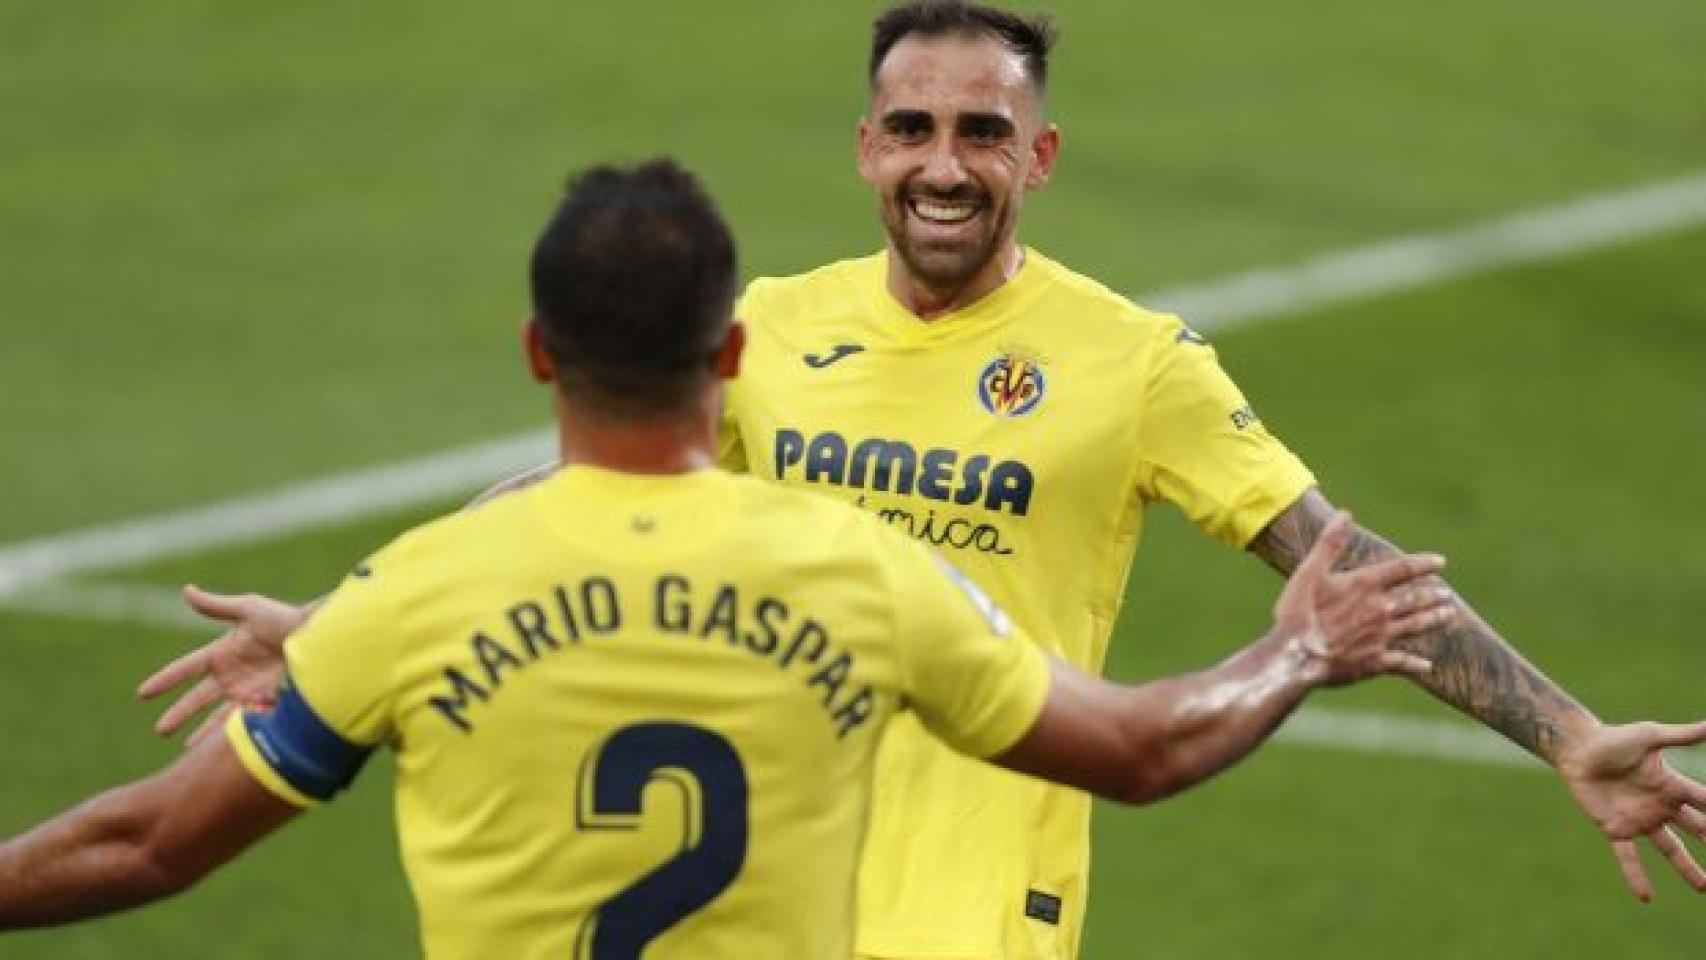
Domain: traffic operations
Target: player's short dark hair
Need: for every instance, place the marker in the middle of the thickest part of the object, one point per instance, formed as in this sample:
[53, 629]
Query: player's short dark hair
[1031, 37]
[633, 286]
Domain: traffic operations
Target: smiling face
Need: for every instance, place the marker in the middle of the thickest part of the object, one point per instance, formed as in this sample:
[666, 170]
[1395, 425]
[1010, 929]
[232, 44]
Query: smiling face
[954, 138]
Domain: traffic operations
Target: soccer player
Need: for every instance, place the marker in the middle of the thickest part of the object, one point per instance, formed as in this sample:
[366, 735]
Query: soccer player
[1020, 417]
[637, 706]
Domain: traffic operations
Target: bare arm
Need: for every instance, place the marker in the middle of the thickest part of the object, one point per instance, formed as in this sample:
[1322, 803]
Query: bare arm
[1617, 774]
[244, 666]
[1475, 670]
[138, 843]
[1140, 744]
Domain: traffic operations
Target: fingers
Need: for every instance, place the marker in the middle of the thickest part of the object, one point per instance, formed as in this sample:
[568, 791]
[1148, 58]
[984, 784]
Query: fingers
[1671, 846]
[187, 667]
[1692, 820]
[1629, 863]
[1408, 664]
[1401, 569]
[200, 696]
[1694, 793]
[1328, 548]
[216, 606]
[1439, 617]
[1676, 734]
[194, 664]
[1419, 597]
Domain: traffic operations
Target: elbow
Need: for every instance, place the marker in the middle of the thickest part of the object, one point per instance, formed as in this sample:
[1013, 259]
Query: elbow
[1147, 787]
[1151, 773]
[1165, 757]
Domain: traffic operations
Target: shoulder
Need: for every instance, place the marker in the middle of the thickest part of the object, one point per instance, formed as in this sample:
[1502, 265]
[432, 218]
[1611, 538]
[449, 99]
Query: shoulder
[768, 297]
[1084, 301]
[803, 526]
[465, 538]
[772, 509]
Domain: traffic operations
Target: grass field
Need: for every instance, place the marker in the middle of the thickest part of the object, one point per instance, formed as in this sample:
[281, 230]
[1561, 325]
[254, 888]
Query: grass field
[242, 246]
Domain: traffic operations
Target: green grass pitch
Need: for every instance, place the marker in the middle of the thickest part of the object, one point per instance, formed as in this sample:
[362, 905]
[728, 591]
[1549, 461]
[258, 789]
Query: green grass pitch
[246, 245]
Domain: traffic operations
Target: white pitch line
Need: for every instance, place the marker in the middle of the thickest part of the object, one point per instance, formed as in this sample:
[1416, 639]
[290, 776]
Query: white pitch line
[1450, 740]
[1573, 228]
[1321, 727]
[1325, 728]
[1580, 226]
[113, 602]
[327, 501]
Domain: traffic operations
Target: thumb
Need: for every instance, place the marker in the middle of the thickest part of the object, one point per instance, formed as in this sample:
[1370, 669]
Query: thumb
[1328, 547]
[1676, 734]
[217, 606]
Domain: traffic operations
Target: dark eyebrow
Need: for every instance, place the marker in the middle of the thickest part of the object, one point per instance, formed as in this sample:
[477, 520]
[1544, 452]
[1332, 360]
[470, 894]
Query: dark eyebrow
[991, 123]
[894, 119]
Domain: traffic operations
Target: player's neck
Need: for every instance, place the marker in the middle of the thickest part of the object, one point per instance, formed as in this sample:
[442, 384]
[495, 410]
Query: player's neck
[672, 444]
[928, 302]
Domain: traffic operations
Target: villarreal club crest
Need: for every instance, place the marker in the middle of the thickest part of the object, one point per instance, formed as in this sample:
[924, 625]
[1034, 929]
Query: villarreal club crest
[1011, 386]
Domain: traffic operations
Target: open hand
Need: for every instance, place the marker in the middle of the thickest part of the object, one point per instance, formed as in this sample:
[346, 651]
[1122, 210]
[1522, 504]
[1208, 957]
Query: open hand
[1621, 779]
[242, 668]
[1349, 623]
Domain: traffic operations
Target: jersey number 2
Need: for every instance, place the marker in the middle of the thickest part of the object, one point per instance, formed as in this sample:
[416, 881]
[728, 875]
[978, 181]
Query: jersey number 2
[613, 782]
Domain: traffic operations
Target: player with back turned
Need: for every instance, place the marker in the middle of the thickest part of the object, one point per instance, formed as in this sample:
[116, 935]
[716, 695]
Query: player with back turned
[636, 706]
[979, 396]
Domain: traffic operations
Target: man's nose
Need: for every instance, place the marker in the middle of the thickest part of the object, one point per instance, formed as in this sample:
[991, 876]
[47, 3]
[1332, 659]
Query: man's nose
[943, 168]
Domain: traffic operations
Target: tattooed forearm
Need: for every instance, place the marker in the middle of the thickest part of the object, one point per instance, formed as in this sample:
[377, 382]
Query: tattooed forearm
[1474, 669]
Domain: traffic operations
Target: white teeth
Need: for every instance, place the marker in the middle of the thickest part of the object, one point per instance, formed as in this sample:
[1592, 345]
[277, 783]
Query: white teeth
[937, 212]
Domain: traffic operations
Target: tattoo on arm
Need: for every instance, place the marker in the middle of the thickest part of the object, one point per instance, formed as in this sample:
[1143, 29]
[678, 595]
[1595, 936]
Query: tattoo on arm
[1475, 670]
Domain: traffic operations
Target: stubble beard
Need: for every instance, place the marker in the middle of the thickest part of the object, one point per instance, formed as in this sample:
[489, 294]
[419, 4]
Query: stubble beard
[942, 268]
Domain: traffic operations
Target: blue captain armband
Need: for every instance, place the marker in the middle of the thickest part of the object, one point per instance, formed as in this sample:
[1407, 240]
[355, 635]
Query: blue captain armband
[306, 753]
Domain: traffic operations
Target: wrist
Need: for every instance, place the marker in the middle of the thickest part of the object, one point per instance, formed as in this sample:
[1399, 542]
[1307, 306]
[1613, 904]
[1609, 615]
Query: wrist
[306, 612]
[1571, 740]
[1297, 660]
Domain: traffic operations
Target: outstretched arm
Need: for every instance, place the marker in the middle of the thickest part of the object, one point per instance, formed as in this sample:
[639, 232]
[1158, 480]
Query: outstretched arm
[1616, 774]
[138, 843]
[243, 666]
[1140, 744]
[1474, 669]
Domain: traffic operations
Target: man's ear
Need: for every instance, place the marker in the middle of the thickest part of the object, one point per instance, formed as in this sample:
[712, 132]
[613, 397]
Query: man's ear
[729, 354]
[864, 153]
[539, 362]
[1044, 149]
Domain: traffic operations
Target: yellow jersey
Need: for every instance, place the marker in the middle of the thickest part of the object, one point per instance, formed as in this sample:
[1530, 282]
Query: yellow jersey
[1023, 436]
[638, 715]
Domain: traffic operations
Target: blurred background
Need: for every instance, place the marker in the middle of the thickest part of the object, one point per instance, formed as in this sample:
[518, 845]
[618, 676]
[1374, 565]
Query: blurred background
[246, 246]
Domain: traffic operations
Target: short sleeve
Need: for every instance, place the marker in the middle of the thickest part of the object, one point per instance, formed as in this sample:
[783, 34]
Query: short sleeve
[1202, 448]
[731, 446]
[972, 676]
[335, 705]
[343, 659]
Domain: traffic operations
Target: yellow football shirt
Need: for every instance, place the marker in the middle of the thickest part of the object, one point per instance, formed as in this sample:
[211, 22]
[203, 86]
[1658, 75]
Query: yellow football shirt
[639, 714]
[1023, 436]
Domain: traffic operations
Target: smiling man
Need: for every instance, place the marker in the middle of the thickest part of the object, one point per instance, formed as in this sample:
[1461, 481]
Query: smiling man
[953, 141]
[635, 708]
[1021, 418]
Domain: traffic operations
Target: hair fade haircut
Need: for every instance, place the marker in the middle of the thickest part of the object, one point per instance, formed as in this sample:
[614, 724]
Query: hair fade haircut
[633, 286]
[1030, 37]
